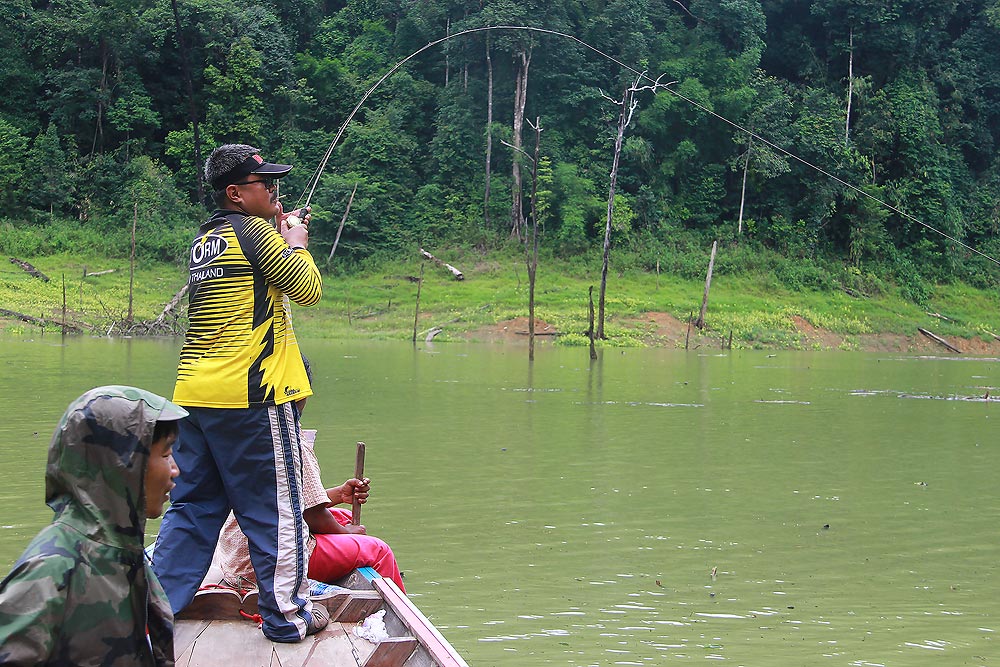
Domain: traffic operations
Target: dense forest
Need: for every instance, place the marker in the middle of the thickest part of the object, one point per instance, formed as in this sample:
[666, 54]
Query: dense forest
[781, 125]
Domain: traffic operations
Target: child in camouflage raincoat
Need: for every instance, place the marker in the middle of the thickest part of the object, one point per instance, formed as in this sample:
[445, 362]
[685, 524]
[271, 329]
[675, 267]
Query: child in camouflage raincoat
[82, 592]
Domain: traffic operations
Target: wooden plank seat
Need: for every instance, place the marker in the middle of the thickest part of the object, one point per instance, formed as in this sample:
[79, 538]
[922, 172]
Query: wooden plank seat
[220, 603]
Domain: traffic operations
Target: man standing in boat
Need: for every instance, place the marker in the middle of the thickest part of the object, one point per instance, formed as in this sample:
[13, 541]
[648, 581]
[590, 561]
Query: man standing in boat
[239, 375]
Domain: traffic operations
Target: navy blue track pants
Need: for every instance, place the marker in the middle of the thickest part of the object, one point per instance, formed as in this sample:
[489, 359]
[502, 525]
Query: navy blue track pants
[247, 460]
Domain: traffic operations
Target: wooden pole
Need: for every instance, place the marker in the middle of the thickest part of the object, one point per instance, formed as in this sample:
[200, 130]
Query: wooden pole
[590, 329]
[624, 117]
[700, 322]
[131, 261]
[342, 222]
[416, 311]
[532, 256]
[743, 191]
[359, 472]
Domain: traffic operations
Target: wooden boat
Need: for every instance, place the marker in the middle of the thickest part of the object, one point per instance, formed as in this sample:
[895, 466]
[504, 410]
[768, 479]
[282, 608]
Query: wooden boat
[211, 631]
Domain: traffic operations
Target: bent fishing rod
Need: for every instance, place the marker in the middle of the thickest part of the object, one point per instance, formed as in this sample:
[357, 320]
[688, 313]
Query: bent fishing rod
[313, 181]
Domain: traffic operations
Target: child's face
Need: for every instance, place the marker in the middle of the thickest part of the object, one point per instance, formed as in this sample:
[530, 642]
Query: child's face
[160, 473]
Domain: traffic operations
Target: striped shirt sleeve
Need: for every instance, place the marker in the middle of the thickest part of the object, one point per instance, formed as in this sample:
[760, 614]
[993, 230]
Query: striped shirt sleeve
[292, 271]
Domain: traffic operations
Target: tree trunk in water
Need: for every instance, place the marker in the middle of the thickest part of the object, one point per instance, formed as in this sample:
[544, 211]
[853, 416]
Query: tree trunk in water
[489, 135]
[533, 253]
[622, 120]
[520, 99]
[416, 310]
[131, 261]
[590, 328]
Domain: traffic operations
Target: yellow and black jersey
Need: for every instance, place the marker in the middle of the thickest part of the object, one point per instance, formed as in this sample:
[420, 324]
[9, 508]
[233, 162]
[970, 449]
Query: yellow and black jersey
[240, 350]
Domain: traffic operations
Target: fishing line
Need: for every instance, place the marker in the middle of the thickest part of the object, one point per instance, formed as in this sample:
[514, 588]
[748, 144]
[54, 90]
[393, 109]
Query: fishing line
[314, 179]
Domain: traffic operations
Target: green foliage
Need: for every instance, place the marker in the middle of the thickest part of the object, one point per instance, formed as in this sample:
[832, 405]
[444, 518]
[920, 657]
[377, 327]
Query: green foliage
[235, 108]
[575, 207]
[13, 150]
[94, 86]
[47, 177]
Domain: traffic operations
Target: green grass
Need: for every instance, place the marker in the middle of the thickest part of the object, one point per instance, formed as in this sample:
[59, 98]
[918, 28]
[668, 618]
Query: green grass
[377, 302]
[92, 302]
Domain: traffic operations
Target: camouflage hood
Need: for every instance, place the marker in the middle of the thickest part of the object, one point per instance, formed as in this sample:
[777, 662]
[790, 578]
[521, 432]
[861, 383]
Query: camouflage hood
[97, 463]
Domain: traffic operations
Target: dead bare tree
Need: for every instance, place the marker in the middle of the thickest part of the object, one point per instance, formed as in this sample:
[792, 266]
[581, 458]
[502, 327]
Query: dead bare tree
[522, 61]
[590, 327]
[416, 309]
[489, 134]
[743, 189]
[700, 322]
[531, 241]
[627, 106]
[343, 221]
[531, 257]
[99, 126]
[850, 85]
[131, 262]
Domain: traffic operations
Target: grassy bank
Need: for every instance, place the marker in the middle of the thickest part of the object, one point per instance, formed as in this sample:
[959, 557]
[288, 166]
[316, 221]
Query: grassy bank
[490, 304]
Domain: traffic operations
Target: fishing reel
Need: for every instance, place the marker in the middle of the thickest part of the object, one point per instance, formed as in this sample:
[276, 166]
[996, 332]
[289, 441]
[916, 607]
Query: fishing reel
[296, 217]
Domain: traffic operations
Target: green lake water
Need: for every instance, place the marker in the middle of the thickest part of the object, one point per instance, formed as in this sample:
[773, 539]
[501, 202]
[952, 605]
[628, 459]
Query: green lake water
[652, 507]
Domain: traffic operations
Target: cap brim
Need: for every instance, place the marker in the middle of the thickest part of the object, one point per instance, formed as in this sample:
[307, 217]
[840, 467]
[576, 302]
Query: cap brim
[272, 169]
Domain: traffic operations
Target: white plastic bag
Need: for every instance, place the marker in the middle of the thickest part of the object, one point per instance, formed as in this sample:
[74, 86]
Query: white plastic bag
[373, 628]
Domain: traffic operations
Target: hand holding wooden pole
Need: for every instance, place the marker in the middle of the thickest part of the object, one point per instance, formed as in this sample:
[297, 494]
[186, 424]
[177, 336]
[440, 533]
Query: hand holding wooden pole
[359, 472]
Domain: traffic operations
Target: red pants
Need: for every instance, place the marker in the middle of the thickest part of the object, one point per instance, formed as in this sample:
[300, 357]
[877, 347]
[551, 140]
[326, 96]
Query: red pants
[336, 555]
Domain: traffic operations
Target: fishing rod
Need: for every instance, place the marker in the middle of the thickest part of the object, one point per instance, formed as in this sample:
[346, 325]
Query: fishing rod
[313, 181]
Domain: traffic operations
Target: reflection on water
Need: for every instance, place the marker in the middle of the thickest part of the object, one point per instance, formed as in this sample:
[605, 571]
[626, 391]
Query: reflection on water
[655, 505]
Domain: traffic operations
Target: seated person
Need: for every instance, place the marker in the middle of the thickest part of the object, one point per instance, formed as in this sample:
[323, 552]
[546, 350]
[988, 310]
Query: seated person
[82, 592]
[334, 546]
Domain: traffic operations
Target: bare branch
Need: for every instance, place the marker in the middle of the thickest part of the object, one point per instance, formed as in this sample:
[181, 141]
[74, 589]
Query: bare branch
[617, 103]
[686, 10]
[631, 110]
[656, 86]
[519, 150]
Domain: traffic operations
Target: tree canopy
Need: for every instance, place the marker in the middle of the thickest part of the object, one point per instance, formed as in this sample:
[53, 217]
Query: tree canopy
[110, 102]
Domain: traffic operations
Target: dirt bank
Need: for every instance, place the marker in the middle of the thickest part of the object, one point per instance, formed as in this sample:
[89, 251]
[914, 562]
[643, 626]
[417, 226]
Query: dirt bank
[665, 330]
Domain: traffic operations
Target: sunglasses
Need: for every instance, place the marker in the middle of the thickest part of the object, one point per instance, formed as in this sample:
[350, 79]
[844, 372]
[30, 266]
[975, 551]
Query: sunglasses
[269, 183]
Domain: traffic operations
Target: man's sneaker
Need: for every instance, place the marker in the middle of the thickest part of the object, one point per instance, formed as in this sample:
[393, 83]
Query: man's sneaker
[320, 619]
